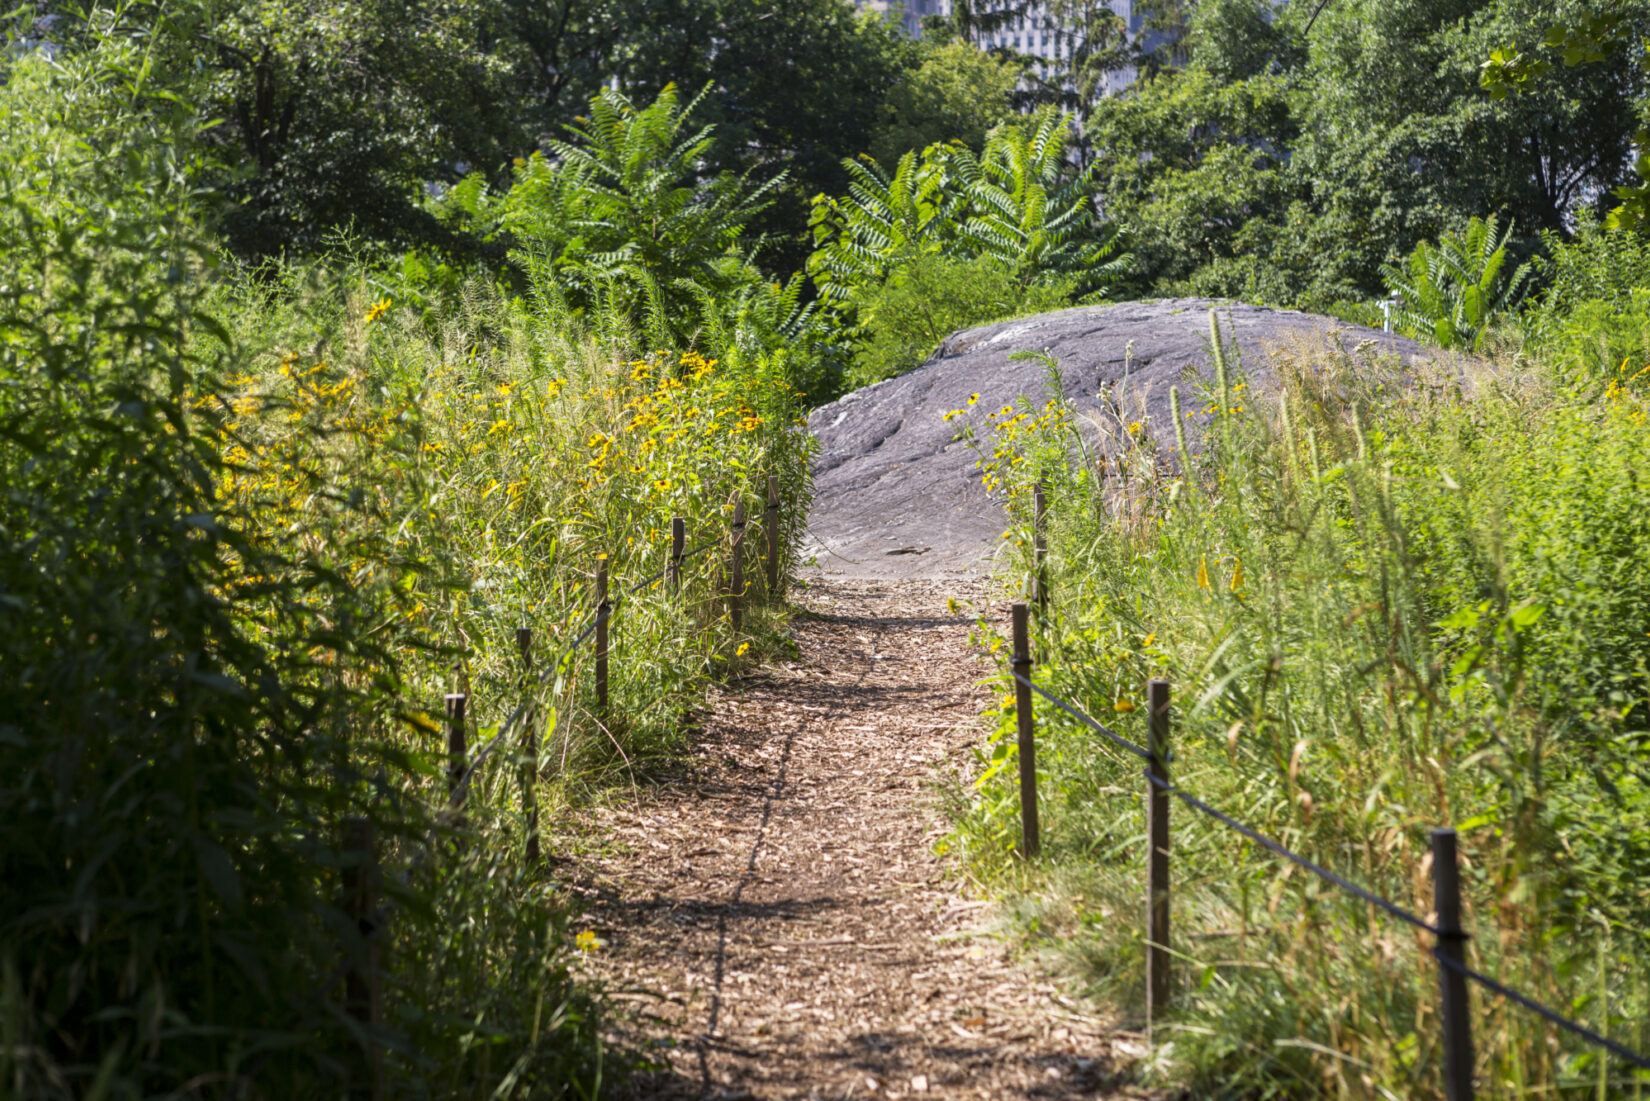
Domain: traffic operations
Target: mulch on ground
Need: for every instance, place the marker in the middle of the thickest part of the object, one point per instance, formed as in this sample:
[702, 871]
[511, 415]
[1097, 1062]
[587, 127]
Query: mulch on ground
[775, 918]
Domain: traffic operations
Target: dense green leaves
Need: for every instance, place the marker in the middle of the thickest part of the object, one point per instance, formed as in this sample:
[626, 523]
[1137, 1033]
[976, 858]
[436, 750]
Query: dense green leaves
[1019, 201]
[1290, 166]
[622, 207]
[1030, 212]
[957, 94]
[1449, 292]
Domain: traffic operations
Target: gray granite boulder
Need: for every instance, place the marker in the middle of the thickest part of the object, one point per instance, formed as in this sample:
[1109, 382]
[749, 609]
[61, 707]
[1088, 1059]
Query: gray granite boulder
[897, 496]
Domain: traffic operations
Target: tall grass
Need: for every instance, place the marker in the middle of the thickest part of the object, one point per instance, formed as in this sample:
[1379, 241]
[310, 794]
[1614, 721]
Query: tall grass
[1384, 606]
[256, 525]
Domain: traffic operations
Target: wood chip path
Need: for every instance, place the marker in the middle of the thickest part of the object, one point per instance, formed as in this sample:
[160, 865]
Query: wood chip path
[775, 919]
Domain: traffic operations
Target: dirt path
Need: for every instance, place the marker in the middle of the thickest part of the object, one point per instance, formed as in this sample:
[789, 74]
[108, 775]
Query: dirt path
[776, 915]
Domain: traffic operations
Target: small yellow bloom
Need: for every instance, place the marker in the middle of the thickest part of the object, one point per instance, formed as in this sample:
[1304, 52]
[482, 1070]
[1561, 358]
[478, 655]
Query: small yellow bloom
[587, 941]
[1149, 639]
[744, 648]
[1237, 577]
[1203, 573]
[377, 310]
[973, 399]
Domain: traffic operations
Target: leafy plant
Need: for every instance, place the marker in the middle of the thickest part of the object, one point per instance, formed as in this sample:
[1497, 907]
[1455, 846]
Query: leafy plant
[903, 319]
[1031, 212]
[623, 211]
[862, 236]
[1449, 292]
[258, 523]
[1020, 202]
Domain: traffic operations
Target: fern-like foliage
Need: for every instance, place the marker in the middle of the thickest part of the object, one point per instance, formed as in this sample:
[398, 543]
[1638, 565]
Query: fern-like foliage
[1447, 292]
[1030, 211]
[620, 216]
[861, 236]
[1020, 202]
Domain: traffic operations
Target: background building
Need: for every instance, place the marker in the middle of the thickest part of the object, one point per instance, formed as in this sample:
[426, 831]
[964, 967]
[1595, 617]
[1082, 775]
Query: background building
[914, 10]
[1036, 34]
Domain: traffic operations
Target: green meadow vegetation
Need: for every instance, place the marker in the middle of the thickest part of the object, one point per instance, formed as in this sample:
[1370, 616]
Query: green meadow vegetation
[1386, 600]
[339, 342]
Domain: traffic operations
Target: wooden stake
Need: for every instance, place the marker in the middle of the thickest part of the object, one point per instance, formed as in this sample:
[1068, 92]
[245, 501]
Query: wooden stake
[772, 518]
[1455, 1009]
[604, 612]
[678, 541]
[457, 755]
[363, 986]
[1031, 842]
[736, 568]
[529, 749]
[1158, 986]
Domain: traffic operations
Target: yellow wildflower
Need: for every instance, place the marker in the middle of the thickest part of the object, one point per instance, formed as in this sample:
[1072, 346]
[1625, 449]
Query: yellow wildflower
[378, 309]
[744, 648]
[1203, 572]
[587, 941]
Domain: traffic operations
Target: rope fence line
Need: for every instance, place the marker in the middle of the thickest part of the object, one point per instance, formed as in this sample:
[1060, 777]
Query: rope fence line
[1449, 951]
[360, 968]
[1551, 1015]
[1318, 870]
[601, 616]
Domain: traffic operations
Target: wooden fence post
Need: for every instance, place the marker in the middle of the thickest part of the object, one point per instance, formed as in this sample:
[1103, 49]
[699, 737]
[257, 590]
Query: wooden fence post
[363, 987]
[1452, 985]
[1039, 542]
[603, 615]
[678, 541]
[736, 567]
[772, 518]
[529, 748]
[1031, 842]
[1157, 857]
[457, 755]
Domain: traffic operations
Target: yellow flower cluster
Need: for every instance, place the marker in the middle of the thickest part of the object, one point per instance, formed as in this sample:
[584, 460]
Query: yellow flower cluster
[1625, 395]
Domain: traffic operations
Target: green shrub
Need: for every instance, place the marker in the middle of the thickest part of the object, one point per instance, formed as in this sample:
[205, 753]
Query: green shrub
[1594, 316]
[929, 297]
[1449, 292]
[1019, 201]
[257, 524]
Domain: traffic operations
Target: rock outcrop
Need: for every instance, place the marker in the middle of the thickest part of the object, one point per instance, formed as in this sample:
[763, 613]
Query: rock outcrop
[898, 496]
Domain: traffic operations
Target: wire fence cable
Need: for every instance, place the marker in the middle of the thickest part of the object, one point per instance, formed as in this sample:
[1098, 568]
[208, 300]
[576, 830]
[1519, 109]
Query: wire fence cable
[601, 616]
[1138, 751]
[1550, 1015]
